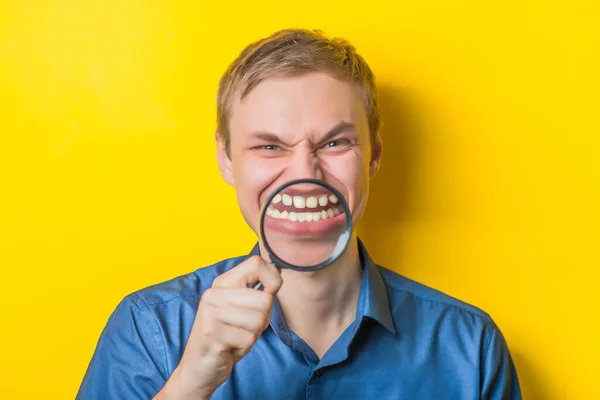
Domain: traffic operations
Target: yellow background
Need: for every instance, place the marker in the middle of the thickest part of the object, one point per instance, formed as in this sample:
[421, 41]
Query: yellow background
[489, 188]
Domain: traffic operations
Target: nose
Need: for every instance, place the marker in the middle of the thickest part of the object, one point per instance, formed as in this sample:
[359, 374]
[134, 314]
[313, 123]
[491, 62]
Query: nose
[304, 164]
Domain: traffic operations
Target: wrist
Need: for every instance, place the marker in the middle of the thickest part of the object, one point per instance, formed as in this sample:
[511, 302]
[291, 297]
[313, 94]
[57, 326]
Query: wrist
[179, 387]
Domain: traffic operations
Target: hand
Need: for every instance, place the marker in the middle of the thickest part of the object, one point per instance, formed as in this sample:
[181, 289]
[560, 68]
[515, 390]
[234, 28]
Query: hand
[229, 320]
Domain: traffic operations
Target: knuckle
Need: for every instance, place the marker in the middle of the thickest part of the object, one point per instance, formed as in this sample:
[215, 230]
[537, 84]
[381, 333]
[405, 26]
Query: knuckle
[208, 295]
[217, 281]
[254, 263]
[209, 332]
[264, 319]
[220, 348]
[267, 300]
[250, 339]
[278, 279]
[209, 328]
[210, 318]
[255, 258]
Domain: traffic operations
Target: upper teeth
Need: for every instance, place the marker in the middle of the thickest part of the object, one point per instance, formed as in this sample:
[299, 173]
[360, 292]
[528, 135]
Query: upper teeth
[305, 202]
[312, 202]
[299, 201]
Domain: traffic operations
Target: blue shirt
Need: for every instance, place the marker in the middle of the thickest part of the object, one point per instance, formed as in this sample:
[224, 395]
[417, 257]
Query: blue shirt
[408, 342]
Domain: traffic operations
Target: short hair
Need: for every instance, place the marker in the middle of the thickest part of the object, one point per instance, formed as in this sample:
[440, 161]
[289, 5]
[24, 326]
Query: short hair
[293, 52]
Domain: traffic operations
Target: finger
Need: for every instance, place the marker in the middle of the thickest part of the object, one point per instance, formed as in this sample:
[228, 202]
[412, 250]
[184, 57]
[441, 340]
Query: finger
[238, 297]
[250, 320]
[252, 270]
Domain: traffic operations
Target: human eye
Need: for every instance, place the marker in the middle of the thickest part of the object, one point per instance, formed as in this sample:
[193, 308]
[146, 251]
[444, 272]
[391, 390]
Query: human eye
[338, 143]
[268, 147]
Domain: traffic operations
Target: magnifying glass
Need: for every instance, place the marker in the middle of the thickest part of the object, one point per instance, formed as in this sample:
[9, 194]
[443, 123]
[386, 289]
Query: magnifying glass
[305, 225]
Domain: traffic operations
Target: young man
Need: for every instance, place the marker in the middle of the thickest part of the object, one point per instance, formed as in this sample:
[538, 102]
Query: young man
[298, 105]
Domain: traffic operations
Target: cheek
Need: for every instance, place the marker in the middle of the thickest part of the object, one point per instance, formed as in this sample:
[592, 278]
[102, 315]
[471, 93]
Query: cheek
[350, 171]
[255, 175]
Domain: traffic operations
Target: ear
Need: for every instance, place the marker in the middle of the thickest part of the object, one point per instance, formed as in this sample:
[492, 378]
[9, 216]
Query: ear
[376, 153]
[225, 166]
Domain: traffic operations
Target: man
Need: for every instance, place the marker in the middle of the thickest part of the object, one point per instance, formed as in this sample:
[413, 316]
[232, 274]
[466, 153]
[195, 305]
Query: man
[298, 105]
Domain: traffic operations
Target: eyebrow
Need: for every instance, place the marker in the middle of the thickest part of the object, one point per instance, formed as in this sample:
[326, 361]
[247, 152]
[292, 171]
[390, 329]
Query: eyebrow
[333, 132]
[336, 130]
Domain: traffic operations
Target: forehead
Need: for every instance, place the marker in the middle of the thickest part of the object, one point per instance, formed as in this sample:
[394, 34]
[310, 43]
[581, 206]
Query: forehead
[311, 102]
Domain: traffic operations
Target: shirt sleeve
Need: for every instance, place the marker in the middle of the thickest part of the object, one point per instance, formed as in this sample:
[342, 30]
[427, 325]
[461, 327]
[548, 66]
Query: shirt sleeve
[499, 375]
[128, 362]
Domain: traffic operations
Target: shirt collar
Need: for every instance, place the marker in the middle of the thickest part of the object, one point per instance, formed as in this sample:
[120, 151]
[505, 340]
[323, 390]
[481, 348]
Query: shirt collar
[373, 299]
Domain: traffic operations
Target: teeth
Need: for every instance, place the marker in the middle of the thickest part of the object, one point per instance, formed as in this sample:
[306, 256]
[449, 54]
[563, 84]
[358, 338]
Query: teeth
[304, 216]
[311, 202]
[323, 200]
[302, 202]
[299, 202]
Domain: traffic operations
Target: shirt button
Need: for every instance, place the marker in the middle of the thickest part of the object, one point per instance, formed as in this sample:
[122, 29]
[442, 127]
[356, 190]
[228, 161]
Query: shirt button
[319, 372]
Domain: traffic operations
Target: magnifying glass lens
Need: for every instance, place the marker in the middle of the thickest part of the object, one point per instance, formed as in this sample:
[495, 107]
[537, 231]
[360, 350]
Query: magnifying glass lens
[305, 224]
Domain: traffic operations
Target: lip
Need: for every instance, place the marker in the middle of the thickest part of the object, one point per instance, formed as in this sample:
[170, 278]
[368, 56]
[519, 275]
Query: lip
[323, 229]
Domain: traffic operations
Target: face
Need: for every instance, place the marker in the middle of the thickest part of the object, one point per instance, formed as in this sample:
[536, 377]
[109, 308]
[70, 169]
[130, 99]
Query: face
[308, 126]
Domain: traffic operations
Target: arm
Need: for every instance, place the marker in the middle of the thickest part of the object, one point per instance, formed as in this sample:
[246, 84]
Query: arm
[499, 379]
[129, 361]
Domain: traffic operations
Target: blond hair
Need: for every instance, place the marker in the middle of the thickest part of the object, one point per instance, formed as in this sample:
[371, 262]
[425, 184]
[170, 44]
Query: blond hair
[292, 52]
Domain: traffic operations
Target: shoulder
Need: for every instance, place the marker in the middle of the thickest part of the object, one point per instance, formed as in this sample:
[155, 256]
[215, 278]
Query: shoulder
[454, 333]
[185, 288]
[407, 294]
[154, 322]
[431, 316]
[148, 328]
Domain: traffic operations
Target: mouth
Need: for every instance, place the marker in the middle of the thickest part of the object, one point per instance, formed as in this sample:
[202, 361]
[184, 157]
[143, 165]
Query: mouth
[302, 208]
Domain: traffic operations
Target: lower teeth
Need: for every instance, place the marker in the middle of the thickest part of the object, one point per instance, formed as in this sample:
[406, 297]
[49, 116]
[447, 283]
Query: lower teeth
[304, 216]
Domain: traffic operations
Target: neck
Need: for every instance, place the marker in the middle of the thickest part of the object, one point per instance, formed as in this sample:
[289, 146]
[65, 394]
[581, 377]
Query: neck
[319, 305]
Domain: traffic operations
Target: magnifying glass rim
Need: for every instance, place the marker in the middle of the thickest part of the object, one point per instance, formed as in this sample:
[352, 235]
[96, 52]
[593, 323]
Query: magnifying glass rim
[281, 263]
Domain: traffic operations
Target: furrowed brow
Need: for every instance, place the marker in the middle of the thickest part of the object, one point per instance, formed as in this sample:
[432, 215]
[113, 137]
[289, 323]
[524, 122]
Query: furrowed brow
[336, 130]
[275, 139]
[265, 137]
